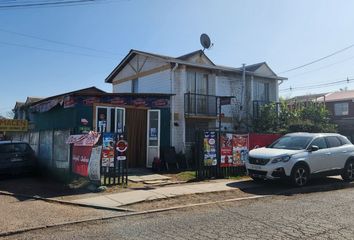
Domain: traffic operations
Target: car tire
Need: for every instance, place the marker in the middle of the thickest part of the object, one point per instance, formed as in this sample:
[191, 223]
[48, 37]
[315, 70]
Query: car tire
[299, 175]
[348, 171]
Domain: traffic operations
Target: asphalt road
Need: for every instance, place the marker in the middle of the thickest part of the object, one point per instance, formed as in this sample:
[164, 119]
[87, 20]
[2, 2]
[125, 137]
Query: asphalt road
[319, 215]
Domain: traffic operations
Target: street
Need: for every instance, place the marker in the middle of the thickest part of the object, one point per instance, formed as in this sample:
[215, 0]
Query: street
[318, 215]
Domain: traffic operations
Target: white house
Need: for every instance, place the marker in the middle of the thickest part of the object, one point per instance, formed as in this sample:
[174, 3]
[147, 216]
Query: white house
[196, 83]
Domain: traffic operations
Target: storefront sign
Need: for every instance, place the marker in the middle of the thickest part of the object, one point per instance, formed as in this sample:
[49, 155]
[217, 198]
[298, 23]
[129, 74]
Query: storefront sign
[121, 149]
[13, 125]
[80, 159]
[89, 139]
[94, 167]
[108, 150]
[210, 149]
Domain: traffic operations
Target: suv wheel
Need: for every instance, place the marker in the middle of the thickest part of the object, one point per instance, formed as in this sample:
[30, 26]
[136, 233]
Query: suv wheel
[299, 176]
[348, 171]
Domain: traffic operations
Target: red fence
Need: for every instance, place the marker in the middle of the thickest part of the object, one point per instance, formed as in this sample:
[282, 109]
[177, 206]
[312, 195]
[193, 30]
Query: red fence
[262, 140]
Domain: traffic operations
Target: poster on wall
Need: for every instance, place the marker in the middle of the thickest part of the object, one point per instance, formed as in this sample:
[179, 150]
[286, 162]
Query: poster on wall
[210, 158]
[239, 149]
[94, 168]
[80, 159]
[226, 150]
[108, 150]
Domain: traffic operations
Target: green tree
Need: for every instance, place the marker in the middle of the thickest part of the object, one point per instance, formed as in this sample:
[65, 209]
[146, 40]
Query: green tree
[280, 118]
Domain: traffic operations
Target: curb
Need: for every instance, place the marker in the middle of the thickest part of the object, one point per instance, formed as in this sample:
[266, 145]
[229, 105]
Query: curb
[66, 202]
[15, 232]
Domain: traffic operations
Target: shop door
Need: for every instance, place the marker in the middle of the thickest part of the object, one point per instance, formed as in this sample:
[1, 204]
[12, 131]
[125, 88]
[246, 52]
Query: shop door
[136, 122]
[153, 136]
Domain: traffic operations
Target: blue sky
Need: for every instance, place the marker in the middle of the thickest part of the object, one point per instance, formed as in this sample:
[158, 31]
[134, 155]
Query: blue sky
[283, 33]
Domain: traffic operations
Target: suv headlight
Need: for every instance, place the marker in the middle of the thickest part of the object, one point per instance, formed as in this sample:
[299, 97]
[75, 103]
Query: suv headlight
[285, 158]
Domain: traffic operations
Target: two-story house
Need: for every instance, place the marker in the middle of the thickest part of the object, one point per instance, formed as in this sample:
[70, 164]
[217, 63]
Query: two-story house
[196, 85]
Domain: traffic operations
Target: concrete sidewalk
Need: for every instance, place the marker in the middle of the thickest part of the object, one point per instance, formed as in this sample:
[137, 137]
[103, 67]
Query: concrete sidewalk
[126, 198]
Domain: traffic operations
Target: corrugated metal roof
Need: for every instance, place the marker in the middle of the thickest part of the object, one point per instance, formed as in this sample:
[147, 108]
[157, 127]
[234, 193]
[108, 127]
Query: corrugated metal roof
[338, 96]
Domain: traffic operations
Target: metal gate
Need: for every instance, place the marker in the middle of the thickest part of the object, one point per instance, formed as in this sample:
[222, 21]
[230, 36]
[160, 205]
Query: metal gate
[114, 168]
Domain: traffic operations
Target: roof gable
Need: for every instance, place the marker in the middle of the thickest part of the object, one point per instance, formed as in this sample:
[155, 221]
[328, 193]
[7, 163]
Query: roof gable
[261, 68]
[197, 57]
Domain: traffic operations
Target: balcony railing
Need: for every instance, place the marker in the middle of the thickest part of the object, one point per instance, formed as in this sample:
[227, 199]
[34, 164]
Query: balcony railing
[200, 105]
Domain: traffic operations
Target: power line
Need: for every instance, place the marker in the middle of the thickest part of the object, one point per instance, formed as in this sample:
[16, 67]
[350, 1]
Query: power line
[55, 41]
[323, 67]
[46, 3]
[348, 80]
[317, 60]
[53, 50]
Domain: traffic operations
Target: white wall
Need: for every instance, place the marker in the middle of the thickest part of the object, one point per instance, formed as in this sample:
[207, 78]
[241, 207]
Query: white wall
[125, 87]
[155, 83]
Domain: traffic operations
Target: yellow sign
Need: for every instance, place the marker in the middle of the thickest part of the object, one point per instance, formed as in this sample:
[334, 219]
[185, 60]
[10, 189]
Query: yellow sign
[13, 125]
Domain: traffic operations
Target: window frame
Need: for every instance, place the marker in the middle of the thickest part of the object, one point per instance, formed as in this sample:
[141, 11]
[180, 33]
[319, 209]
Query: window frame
[343, 111]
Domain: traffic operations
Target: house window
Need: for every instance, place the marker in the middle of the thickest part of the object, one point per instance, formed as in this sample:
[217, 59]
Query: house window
[262, 91]
[198, 86]
[135, 85]
[341, 109]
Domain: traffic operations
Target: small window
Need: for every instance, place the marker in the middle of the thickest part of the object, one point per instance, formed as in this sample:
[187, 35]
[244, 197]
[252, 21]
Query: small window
[341, 109]
[135, 85]
[333, 141]
[320, 143]
[344, 140]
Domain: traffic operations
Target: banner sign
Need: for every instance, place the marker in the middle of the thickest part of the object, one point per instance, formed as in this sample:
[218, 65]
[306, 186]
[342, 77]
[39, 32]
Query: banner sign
[234, 149]
[108, 150]
[13, 125]
[70, 101]
[94, 168]
[210, 158]
[80, 159]
[89, 139]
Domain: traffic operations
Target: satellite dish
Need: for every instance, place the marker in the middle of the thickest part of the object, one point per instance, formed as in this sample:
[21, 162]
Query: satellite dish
[205, 41]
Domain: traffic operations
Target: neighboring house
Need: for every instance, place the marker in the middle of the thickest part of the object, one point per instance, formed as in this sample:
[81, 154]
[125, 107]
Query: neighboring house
[339, 104]
[196, 83]
[21, 109]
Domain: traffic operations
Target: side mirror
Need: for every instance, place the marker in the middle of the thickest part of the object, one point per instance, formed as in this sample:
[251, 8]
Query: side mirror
[313, 148]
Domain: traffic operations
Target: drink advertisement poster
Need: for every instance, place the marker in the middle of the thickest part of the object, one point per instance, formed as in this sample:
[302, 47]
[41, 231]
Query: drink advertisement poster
[108, 150]
[239, 149]
[226, 150]
[80, 159]
[210, 158]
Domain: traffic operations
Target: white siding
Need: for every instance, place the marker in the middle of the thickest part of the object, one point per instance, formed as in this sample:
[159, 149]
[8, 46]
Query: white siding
[125, 87]
[156, 83]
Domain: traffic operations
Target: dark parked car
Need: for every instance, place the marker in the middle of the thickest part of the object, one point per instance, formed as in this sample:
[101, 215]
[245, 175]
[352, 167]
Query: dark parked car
[16, 157]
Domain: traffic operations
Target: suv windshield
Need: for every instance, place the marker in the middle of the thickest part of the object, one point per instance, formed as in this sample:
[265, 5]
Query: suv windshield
[291, 142]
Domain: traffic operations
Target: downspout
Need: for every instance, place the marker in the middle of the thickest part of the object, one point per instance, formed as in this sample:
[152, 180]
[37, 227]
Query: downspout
[277, 90]
[172, 78]
[242, 91]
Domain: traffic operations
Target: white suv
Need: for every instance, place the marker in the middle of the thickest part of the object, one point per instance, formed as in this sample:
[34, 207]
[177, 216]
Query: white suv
[299, 156]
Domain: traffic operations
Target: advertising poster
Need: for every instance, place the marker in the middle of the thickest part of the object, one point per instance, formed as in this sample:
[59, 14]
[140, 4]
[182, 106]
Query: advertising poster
[80, 159]
[239, 149]
[210, 158]
[108, 150]
[94, 168]
[226, 150]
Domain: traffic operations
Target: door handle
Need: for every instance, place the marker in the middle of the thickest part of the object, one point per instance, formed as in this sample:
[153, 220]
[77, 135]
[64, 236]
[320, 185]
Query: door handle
[344, 151]
[328, 153]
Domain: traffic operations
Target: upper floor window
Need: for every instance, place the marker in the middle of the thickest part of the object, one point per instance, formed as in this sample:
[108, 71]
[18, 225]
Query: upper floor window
[135, 85]
[341, 109]
[197, 83]
[261, 92]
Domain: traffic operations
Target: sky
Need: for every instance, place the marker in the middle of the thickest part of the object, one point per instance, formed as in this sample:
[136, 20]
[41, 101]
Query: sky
[95, 37]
